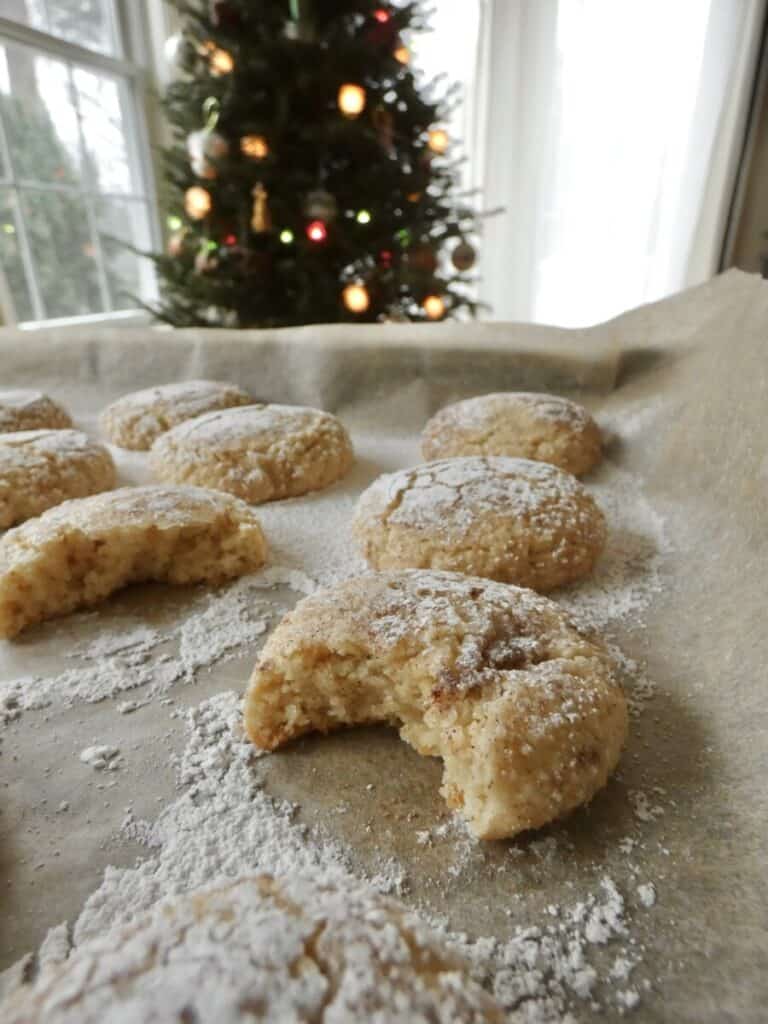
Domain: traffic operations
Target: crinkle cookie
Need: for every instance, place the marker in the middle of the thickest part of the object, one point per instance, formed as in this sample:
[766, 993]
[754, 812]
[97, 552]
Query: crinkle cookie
[524, 710]
[258, 452]
[76, 554]
[138, 419]
[518, 424]
[514, 520]
[42, 468]
[23, 409]
[261, 950]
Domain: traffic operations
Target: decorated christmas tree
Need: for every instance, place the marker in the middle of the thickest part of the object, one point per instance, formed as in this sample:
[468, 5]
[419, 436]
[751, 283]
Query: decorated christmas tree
[312, 178]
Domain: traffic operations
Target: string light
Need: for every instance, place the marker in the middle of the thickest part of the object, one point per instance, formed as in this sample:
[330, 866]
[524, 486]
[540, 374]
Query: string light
[402, 54]
[356, 298]
[381, 15]
[197, 202]
[317, 231]
[438, 140]
[254, 146]
[286, 236]
[174, 223]
[230, 240]
[434, 307]
[363, 217]
[220, 62]
[351, 100]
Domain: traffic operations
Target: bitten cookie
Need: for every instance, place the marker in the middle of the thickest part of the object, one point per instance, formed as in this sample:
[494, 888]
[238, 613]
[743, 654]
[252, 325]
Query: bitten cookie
[22, 409]
[137, 420]
[261, 950]
[514, 520]
[258, 452]
[523, 709]
[42, 468]
[518, 424]
[76, 554]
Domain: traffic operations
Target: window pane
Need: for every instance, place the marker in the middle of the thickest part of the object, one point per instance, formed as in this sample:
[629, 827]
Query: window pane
[89, 23]
[63, 253]
[39, 117]
[108, 161]
[128, 275]
[14, 288]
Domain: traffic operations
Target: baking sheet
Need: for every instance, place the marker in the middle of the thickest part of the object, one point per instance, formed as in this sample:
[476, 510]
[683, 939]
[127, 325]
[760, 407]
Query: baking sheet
[690, 375]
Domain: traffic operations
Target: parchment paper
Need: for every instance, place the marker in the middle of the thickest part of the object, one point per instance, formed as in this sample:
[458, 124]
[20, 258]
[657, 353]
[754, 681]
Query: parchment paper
[702, 357]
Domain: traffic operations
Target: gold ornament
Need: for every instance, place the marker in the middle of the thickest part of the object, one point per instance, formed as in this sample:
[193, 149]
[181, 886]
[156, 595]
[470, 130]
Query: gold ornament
[261, 220]
[463, 256]
[254, 146]
[402, 54]
[352, 99]
[438, 140]
[356, 298]
[197, 202]
[220, 62]
[434, 307]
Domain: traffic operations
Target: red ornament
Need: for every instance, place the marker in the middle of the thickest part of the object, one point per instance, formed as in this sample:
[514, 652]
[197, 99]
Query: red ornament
[317, 231]
[381, 15]
[386, 257]
[230, 240]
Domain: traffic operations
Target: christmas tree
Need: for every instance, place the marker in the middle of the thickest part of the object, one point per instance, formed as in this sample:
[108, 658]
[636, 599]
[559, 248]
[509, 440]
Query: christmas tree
[312, 179]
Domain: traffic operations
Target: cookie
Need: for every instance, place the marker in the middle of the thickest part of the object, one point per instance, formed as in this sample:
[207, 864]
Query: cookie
[523, 709]
[519, 424]
[23, 409]
[76, 554]
[261, 950]
[514, 520]
[42, 468]
[258, 452]
[137, 420]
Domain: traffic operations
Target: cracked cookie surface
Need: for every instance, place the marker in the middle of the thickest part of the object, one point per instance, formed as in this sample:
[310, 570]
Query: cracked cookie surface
[518, 424]
[513, 520]
[136, 420]
[261, 949]
[77, 554]
[25, 409]
[42, 468]
[257, 452]
[524, 710]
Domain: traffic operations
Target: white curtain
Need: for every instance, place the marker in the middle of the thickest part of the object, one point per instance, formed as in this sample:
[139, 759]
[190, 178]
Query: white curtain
[610, 131]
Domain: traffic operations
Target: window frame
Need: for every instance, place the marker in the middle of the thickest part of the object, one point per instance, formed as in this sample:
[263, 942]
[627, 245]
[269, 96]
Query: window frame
[134, 70]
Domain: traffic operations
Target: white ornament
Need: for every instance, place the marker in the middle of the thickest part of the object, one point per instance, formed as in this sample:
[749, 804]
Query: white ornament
[204, 146]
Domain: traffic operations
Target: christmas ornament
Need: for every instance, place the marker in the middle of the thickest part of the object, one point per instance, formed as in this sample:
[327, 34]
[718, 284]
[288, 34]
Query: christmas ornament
[423, 258]
[255, 147]
[434, 307]
[384, 125]
[352, 99]
[261, 220]
[385, 258]
[402, 54]
[363, 217]
[413, 197]
[197, 202]
[317, 231]
[172, 49]
[224, 15]
[206, 144]
[220, 62]
[321, 205]
[356, 298]
[286, 236]
[438, 140]
[463, 256]
[176, 243]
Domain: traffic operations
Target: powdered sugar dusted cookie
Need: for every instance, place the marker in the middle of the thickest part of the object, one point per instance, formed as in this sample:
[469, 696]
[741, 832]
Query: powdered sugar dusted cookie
[136, 420]
[76, 554]
[261, 950]
[258, 452]
[42, 468]
[519, 424]
[23, 409]
[514, 520]
[523, 709]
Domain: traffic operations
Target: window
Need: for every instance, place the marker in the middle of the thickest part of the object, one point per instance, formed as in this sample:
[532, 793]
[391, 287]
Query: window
[74, 168]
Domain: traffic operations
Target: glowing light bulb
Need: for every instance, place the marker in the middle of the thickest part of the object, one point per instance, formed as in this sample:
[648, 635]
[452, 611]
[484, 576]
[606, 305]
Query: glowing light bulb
[438, 140]
[351, 100]
[434, 307]
[363, 217]
[220, 62]
[254, 146]
[286, 236]
[402, 54]
[381, 15]
[197, 202]
[230, 240]
[174, 223]
[356, 298]
[317, 231]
